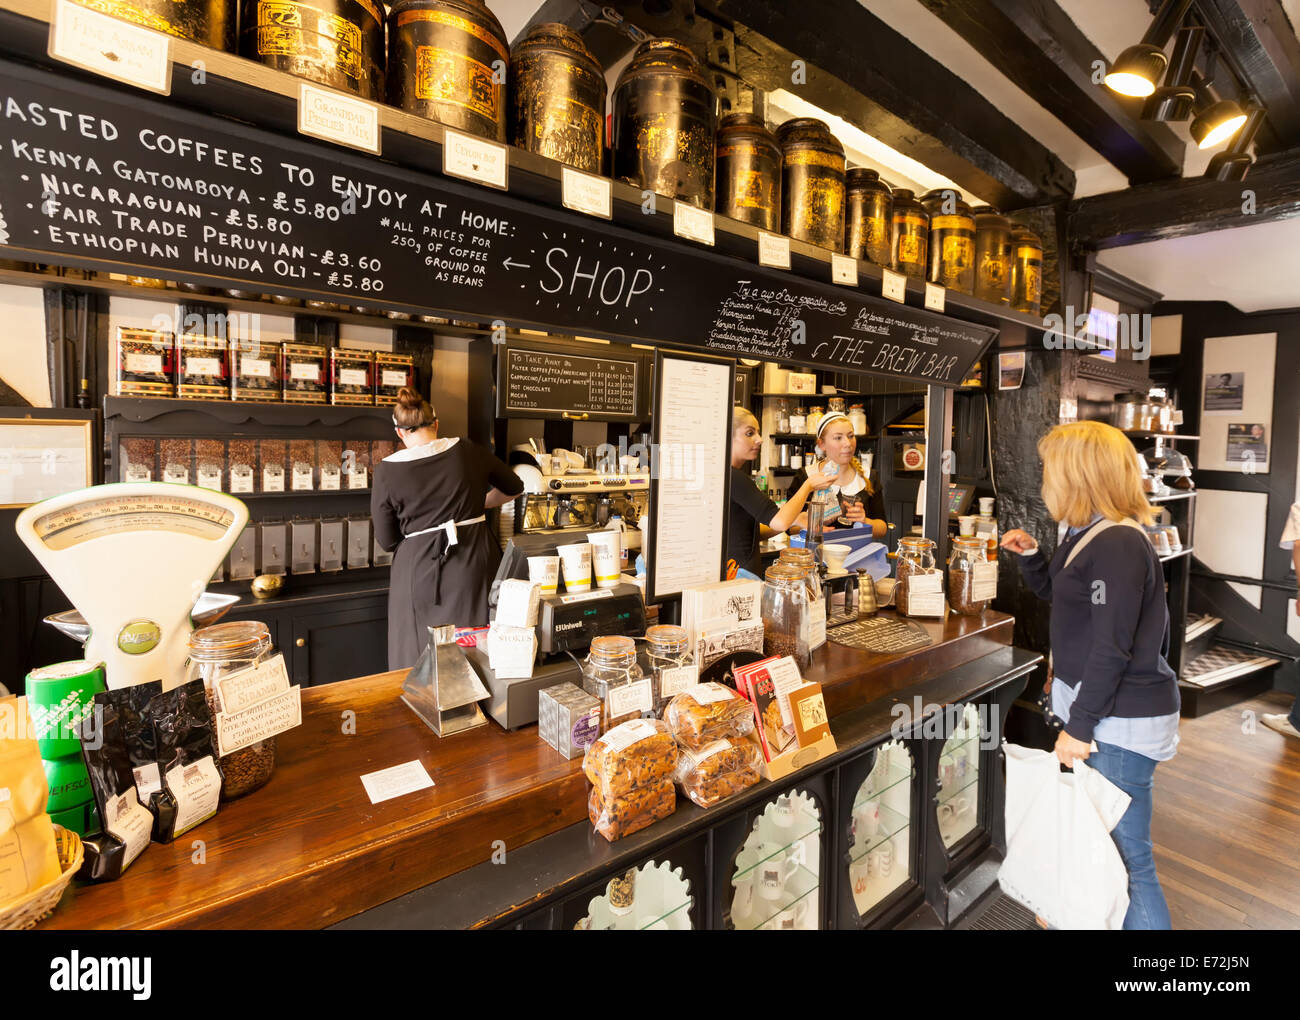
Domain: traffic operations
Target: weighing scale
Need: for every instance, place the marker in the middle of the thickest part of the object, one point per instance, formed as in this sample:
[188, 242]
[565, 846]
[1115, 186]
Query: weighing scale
[134, 558]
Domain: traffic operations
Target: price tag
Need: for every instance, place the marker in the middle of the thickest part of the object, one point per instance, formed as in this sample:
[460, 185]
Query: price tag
[273, 479]
[844, 269]
[934, 295]
[359, 478]
[112, 48]
[338, 118]
[587, 193]
[475, 159]
[241, 479]
[209, 479]
[894, 286]
[633, 697]
[329, 477]
[393, 377]
[984, 582]
[692, 222]
[773, 250]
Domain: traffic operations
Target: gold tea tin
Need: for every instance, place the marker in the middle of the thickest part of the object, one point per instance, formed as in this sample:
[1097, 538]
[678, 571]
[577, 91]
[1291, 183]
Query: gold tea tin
[868, 216]
[812, 183]
[1026, 271]
[749, 171]
[557, 97]
[952, 240]
[210, 22]
[992, 256]
[337, 43]
[910, 244]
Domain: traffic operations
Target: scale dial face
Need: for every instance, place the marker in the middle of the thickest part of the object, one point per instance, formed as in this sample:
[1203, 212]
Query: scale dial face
[68, 526]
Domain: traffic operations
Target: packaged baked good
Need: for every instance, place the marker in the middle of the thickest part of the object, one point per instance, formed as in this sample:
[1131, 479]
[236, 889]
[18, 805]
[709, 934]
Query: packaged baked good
[637, 753]
[616, 817]
[718, 770]
[708, 712]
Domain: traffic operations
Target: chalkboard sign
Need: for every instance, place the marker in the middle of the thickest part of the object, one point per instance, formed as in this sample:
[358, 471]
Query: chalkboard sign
[553, 382]
[109, 179]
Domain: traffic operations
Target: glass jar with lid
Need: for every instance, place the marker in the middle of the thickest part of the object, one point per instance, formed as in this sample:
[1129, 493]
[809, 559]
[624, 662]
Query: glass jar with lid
[786, 614]
[835, 405]
[782, 419]
[803, 558]
[815, 417]
[797, 420]
[672, 667]
[611, 673]
[965, 580]
[217, 653]
[915, 556]
[858, 417]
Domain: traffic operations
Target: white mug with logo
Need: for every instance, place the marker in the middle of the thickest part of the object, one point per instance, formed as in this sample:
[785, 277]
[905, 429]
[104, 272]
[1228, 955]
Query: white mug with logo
[792, 918]
[777, 867]
[860, 874]
[866, 820]
[783, 811]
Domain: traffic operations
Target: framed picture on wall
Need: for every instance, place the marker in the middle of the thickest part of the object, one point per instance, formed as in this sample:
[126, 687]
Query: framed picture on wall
[43, 457]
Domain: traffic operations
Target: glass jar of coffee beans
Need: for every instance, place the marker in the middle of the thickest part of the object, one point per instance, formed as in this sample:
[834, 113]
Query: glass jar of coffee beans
[786, 613]
[967, 553]
[915, 556]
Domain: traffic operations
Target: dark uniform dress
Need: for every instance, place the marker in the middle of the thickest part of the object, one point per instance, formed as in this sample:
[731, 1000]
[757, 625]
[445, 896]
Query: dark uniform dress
[433, 583]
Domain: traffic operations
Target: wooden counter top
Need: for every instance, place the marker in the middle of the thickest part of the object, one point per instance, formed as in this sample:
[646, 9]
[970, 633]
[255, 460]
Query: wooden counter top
[309, 849]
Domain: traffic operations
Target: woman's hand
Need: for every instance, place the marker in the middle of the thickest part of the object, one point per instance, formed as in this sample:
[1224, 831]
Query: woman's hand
[853, 513]
[1019, 541]
[818, 479]
[1069, 750]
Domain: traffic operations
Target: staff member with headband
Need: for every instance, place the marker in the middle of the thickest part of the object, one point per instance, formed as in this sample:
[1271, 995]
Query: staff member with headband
[428, 501]
[859, 503]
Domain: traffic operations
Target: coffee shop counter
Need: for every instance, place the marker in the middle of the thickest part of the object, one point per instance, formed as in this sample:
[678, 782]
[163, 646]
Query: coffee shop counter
[310, 850]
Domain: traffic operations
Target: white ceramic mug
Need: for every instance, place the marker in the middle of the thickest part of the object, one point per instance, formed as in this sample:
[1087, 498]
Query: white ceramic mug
[605, 554]
[576, 561]
[860, 874]
[782, 811]
[947, 771]
[545, 570]
[742, 903]
[866, 820]
[777, 868]
[792, 918]
[952, 810]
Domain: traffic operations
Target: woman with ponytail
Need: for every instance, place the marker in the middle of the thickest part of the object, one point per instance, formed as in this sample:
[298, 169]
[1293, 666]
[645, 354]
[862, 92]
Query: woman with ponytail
[858, 501]
[428, 501]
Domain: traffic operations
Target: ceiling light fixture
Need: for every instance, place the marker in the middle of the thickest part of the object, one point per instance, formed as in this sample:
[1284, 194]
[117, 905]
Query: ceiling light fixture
[1140, 66]
[1217, 120]
[1175, 98]
[1234, 162]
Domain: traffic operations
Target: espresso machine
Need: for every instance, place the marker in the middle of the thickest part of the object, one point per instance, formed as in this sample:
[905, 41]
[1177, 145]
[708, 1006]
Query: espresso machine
[582, 500]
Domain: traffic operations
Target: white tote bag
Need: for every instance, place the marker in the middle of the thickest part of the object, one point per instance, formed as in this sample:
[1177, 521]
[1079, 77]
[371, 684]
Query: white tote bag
[1061, 862]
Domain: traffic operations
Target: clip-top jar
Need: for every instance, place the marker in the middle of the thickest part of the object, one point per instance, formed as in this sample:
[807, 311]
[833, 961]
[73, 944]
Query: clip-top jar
[915, 556]
[803, 558]
[339, 43]
[992, 256]
[967, 552]
[1026, 271]
[812, 183]
[665, 120]
[557, 97]
[218, 652]
[672, 666]
[952, 240]
[868, 216]
[910, 246]
[611, 673]
[749, 171]
[786, 613]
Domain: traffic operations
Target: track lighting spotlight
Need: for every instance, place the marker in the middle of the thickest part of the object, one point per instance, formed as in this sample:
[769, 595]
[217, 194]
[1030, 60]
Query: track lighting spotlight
[1140, 66]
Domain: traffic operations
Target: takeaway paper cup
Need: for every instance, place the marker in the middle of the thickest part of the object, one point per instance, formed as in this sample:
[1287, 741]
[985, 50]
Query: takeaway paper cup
[575, 560]
[605, 554]
[544, 571]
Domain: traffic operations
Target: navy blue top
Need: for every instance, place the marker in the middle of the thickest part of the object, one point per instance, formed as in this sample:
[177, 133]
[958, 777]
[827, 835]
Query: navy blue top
[1109, 626]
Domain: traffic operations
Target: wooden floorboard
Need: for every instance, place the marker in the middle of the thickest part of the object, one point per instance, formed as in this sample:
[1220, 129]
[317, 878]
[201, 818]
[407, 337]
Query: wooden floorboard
[1226, 826]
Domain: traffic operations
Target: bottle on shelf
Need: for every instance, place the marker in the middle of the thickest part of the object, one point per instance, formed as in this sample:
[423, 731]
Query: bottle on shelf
[986, 526]
[797, 421]
[782, 419]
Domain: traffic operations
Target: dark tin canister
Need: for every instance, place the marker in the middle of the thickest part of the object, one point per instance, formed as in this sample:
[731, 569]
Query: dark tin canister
[448, 61]
[952, 240]
[911, 236]
[210, 22]
[665, 120]
[749, 171]
[812, 183]
[868, 216]
[338, 43]
[1026, 271]
[992, 256]
[557, 97]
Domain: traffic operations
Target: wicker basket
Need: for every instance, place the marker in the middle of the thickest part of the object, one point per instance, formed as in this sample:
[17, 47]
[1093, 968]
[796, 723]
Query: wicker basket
[37, 905]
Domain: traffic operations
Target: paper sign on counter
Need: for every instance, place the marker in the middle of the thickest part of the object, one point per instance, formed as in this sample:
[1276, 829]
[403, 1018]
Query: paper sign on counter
[116, 49]
[338, 118]
[474, 159]
[586, 193]
[396, 781]
[252, 686]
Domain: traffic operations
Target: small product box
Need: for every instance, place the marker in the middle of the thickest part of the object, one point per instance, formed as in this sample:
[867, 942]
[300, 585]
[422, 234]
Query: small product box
[352, 376]
[255, 370]
[392, 372]
[145, 364]
[568, 718]
[304, 374]
[201, 367]
[358, 543]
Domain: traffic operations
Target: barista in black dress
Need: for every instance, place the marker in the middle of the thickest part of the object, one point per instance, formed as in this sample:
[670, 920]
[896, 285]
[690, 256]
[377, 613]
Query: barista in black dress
[427, 502]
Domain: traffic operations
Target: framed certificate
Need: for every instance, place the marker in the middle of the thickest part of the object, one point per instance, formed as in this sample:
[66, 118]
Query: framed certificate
[44, 457]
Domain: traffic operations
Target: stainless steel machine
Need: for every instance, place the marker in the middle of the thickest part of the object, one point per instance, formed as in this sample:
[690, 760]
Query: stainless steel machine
[583, 500]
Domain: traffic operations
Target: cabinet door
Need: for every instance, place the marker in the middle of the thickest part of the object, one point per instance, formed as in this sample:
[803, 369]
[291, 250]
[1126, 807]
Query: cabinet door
[340, 645]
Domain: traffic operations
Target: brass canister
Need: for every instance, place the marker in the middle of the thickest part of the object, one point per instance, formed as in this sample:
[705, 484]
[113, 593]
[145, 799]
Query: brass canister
[338, 43]
[952, 240]
[1026, 271]
[749, 171]
[992, 256]
[210, 22]
[557, 97]
[868, 216]
[812, 183]
[448, 60]
[909, 247]
[665, 119]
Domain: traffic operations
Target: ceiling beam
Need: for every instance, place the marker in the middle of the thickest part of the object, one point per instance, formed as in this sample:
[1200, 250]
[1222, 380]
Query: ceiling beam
[1192, 205]
[1041, 50]
[860, 69]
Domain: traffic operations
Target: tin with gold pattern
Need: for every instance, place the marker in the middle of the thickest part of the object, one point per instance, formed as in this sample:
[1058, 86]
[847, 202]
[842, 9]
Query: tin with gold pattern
[812, 183]
[868, 216]
[992, 256]
[210, 22]
[952, 240]
[557, 97]
[749, 171]
[1026, 271]
[337, 43]
[911, 240]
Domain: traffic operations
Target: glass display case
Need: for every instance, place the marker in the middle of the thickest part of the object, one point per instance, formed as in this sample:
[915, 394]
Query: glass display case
[778, 870]
[957, 809]
[880, 829]
[653, 897]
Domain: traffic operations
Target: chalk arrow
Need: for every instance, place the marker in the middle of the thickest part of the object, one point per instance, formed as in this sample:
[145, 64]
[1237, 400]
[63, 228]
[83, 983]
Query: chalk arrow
[515, 265]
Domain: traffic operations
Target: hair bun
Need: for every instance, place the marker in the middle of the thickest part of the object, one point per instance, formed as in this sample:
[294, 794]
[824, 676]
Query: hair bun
[408, 397]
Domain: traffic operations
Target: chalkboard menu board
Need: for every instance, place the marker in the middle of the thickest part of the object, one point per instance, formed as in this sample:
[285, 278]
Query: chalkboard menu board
[108, 178]
[533, 382]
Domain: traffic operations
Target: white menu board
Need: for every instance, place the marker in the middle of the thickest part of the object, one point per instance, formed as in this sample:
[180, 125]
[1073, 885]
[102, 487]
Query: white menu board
[689, 492]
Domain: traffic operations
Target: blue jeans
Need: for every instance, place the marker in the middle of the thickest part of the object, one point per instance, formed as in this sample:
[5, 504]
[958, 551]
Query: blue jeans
[1133, 773]
[1295, 713]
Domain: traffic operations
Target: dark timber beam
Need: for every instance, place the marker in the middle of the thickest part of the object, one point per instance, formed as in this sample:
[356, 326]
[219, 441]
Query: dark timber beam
[865, 72]
[1193, 205]
[1036, 45]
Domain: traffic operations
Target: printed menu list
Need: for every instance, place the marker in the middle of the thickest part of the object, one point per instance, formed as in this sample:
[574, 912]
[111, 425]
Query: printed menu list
[552, 382]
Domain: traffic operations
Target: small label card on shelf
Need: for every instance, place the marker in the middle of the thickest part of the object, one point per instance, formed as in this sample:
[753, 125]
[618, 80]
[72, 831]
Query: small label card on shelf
[844, 269]
[475, 159]
[115, 49]
[587, 193]
[934, 297]
[893, 286]
[338, 118]
[396, 781]
[773, 250]
[692, 222]
[925, 595]
[984, 581]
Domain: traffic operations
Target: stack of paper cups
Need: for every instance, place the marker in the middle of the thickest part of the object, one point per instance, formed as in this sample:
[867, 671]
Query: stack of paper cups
[576, 563]
[606, 554]
[544, 571]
